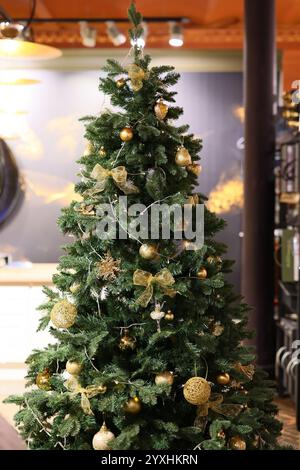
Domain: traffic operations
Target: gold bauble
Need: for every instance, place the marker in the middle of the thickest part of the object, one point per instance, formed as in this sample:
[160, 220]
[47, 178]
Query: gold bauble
[133, 406]
[210, 259]
[165, 377]
[202, 273]
[126, 134]
[217, 329]
[43, 380]
[169, 316]
[63, 314]
[89, 149]
[237, 443]
[183, 157]
[74, 287]
[102, 438]
[73, 367]
[120, 82]
[135, 72]
[127, 342]
[136, 85]
[161, 110]
[197, 391]
[148, 251]
[195, 169]
[102, 151]
[223, 379]
[102, 388]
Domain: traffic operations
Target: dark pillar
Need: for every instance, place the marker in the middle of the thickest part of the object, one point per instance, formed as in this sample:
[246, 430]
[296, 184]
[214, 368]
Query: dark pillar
[258, 262]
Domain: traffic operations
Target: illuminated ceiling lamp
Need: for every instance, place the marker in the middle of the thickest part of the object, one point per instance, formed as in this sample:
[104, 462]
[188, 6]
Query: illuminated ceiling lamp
[114, 34]
[14, 44]
[176, 34]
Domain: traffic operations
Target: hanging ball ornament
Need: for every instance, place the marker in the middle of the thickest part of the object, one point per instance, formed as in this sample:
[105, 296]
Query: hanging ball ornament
[195, 169]
[136, 85]
[102, 151]
[157, 314]
[148, 251]
[223, 379]
[63, 314]
[183, 157]
[161, 109]
[202, 273]
[127, 342]
[120, 82]
[165, 377]
[237, 443]
[73, 367]
[133, 406]
[169, 316]
[126, 134]
[102, 438]
[197, 391]
[43, 380]
[135, 72]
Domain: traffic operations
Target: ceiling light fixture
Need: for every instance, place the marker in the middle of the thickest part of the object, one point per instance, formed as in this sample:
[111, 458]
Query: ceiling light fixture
[13, 40]
[176, 34]
[88, 34]
[140, 42]
[114, 34]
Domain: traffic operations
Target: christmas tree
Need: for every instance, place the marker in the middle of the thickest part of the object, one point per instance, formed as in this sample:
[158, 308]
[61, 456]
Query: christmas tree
[148, 351]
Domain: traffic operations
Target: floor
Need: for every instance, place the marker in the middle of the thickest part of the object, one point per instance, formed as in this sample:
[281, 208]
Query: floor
[290, 435]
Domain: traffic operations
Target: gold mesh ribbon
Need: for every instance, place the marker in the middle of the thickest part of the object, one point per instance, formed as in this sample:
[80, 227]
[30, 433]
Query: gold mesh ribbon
[90, 391]
[215, 403]
[119, 176]
[163, 279]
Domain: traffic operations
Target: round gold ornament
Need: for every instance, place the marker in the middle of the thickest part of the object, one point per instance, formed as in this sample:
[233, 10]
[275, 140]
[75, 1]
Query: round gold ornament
[136, 72]
[43, 380]
[126, 134]
[148, 251]
[202, 273]
[161, 109]
[237, 443]
[74, 287]
[127, 342]
[133, 406]
[136, 85]
[195, 169]
[217, 329]
[169, 316]
[223, 379]
[102, 151]
[197, 391]
[165, 377]
[102, 388]
[102, 438]
[63, 314]
[183, 157]
[73, 367]
[120, 82]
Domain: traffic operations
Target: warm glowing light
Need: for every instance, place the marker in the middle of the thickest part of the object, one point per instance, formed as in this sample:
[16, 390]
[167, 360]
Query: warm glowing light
[227, 196]
[239, 112]
[17, 49]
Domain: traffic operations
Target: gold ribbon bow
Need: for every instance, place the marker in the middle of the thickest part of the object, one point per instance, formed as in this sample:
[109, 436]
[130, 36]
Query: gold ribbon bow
[215, 403]
[143, 278]
[90, 391]
[119, 176]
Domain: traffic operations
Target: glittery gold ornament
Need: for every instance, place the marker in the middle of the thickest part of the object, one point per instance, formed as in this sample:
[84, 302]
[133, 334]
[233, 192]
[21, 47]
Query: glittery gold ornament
[136, 85]
[194, 168]
[237, 443]
[63, 314]
[161, 109]
[183, 157]
[89, 149]
[43, 380]
[135, 72]
[102, 438]
[148, 251]
[223, 379]
[202, 273]
[165, 377]
[74, 287]
[169, 316]
[248, 370]
[197, 391]
[73, 367]
[108, 268]
[102, 151]
[133, 406]
[217, 329]
[210, 259]
[120, 82]
[126, 134]
[127, 342]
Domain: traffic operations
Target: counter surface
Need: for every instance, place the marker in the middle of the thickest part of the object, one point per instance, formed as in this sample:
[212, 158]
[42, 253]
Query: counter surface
[36, 275]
